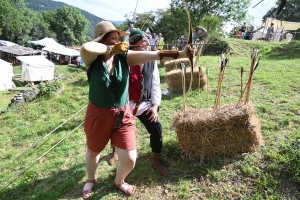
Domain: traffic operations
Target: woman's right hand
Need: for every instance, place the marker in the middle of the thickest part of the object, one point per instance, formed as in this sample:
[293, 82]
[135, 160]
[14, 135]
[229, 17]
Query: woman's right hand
[120, 48]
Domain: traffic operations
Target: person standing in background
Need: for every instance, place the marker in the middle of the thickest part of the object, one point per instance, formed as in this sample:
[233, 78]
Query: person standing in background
[130, 28]
[145, 98]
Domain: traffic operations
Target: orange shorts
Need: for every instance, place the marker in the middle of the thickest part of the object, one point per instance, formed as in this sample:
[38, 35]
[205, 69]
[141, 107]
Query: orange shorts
[99, 128]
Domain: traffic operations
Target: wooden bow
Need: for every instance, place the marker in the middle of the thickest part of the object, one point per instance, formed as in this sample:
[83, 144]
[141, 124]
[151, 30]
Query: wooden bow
[190, 55]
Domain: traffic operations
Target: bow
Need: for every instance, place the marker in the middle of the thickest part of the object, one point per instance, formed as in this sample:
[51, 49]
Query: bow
[190, 55]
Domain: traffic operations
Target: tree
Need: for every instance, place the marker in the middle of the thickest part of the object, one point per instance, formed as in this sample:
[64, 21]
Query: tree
[71, 26]
[171, 24]
[13, 23]
[289, 13]
[227, 10]
[40, 28]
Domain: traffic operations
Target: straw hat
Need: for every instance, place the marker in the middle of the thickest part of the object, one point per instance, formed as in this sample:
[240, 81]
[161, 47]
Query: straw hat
[104, 27]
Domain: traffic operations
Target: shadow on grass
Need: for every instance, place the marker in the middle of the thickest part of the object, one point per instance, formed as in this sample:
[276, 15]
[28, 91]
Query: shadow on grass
[53, 187]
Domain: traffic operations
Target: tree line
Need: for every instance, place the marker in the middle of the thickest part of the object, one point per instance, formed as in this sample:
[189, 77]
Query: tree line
[69, 26]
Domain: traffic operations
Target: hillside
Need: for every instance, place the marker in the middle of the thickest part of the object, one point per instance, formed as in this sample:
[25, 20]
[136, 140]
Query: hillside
[268, 50]
[45, 5]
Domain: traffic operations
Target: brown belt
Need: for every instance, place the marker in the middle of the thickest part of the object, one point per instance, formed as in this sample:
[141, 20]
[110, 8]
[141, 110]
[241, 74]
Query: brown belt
[137, 104]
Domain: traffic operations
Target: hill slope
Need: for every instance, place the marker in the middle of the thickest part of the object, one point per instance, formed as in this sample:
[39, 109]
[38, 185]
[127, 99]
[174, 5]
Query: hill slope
[45, 5]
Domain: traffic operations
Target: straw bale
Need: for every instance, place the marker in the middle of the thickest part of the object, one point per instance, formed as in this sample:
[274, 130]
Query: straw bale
[174, 80]
[227, 131]
[175, 64]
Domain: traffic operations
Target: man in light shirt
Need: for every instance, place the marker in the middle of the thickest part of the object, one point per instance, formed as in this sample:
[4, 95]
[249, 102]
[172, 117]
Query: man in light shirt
[145, 98]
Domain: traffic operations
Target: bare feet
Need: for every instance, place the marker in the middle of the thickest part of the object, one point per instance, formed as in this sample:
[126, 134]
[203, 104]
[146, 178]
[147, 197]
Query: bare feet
[126, 188]
[87, 189]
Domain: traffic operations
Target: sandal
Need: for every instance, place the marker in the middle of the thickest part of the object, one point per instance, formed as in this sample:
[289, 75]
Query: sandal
[125, 187]
[87, 193]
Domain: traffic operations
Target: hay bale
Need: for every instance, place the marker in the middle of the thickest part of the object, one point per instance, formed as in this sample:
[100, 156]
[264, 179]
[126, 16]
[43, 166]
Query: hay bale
[208, 132]
[174, 80]
[175, 64]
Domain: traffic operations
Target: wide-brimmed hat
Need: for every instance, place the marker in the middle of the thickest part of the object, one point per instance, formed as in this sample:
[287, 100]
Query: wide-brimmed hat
[104, 27]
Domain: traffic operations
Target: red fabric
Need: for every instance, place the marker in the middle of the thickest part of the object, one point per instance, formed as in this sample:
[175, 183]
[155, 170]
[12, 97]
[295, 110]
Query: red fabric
[99, 128]
[135, 84]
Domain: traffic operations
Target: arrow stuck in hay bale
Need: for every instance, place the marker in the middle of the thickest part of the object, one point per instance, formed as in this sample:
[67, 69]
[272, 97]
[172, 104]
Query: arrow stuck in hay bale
[208, 132]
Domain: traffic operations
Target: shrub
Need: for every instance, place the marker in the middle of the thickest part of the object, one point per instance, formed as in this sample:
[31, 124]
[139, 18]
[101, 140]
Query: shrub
[47, 89]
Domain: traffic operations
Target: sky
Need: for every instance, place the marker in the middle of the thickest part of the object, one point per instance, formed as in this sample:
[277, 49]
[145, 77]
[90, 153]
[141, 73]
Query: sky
[115, 10]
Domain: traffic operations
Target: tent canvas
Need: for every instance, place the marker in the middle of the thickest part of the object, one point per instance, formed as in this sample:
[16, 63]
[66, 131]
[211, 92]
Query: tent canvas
[62, 50]
[36, 68]
[6, 43]
[281, 25]
[46, 42]
[276, 35]
[6, 75]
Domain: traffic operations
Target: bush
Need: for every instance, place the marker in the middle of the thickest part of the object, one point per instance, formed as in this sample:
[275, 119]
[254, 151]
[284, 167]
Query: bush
[217, 48]
[47, 89]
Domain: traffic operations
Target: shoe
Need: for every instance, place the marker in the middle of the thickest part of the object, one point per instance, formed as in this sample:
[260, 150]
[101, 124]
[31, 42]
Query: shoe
[157, 164]
[125, 187]
[87, 193]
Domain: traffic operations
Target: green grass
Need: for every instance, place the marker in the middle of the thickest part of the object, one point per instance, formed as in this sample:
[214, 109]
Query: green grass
[273, 172]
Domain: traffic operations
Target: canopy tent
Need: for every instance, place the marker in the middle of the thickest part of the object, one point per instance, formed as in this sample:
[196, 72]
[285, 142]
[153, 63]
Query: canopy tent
[277, 35]
[281, 25]
[6, 75]
[69, 53]
[36, 68]
[46, 42]
[6, 43]
[61, 50]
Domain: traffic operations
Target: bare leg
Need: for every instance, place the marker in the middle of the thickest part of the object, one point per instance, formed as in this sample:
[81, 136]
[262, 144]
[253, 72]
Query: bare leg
[91, 161]
[127, 160]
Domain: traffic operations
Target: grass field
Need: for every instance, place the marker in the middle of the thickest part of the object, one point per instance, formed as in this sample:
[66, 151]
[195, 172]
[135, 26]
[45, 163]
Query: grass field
[43, 144]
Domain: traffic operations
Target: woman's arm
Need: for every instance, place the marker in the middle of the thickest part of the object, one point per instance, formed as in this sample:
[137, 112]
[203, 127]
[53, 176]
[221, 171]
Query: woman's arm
[141, 57]
[90, 50]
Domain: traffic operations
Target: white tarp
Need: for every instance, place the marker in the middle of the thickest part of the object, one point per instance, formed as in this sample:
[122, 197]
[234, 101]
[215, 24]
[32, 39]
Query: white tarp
[62, 50]
[36, 68]
[46, 42]
[6, 75]
[276, 36]
[6, 43]
[281, 25]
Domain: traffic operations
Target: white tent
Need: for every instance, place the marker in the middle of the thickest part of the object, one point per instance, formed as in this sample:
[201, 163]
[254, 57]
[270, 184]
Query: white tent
[36, 68]
[62, 50]
[277, 35]
[6, 43]
[6, 75]
[281, 25]
[46, 42]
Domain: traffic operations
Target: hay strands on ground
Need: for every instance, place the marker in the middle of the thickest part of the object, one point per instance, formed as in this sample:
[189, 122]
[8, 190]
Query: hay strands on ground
[253, 67]
[223, 63]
